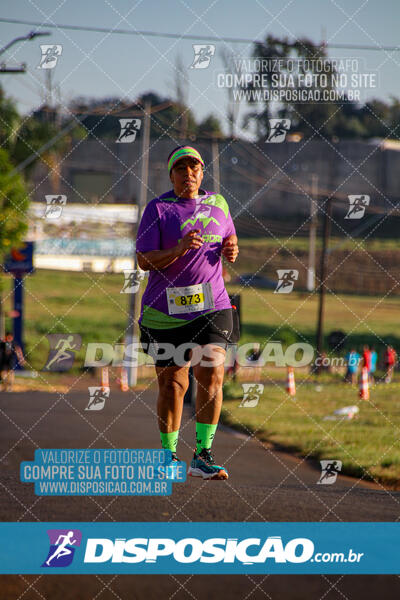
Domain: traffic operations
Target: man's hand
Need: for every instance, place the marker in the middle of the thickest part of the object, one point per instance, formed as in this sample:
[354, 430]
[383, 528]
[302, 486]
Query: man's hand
[190, 241]
[230, 248]
[155, 260]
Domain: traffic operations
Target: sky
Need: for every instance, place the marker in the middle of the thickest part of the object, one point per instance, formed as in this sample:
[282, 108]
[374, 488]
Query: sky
[99, 65]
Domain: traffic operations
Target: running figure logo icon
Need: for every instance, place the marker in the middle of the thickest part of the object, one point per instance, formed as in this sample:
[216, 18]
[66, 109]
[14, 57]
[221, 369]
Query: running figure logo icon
[357, 206]
[278, 129]
[132, 281]
[50, 55]
[54, 206]
[98, 397]
[251, 394]
[287, 277]
[202, 55]
[63, 543]
[329, 471]
[129, 129]
[62, 351]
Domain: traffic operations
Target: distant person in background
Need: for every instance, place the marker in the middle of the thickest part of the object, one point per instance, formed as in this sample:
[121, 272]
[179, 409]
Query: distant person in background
[374, 361]
[254, 357]
[367, 359]
[390, 360]
[352, 360]
[10, 355]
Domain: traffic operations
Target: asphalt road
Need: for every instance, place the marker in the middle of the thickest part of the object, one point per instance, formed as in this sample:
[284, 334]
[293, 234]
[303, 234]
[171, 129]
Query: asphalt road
[264, 485]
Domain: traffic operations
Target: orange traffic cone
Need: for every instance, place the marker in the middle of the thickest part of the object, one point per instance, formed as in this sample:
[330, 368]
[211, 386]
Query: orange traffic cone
[290, 384]
[364, 384]
[105, 382]
[123, 382]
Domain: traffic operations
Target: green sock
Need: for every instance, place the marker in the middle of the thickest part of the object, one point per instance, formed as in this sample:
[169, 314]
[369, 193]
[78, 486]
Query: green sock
[169, 441]
[204, 435]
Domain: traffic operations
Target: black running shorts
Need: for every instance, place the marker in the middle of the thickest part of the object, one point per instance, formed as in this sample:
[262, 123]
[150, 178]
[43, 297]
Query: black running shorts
[220, 328]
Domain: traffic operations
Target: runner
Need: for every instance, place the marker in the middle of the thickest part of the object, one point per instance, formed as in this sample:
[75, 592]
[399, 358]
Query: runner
[352, 360]
[367, 359]
[10, 354]
[390, 361]
[181, 237]
[374, 363]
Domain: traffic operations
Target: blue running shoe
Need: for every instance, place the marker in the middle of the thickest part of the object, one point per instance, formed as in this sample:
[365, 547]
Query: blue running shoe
[203, 465]
[171, 466]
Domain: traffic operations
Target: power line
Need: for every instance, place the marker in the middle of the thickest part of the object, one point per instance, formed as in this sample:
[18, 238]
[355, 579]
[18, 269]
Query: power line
[205, 38]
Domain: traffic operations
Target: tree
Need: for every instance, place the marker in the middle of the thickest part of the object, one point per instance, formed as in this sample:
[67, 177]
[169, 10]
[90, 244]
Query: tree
[100, 117]
[167, 121]
[306, 117]
[14, 204]
[210, 127]
[23, 136]
[97, 115]
[342, 119]
[9, 120]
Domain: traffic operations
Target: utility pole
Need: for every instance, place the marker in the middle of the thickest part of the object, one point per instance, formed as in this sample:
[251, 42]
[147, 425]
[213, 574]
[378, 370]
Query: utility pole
[134, 305]
[325, 242]
[313, 233]
[215, 163]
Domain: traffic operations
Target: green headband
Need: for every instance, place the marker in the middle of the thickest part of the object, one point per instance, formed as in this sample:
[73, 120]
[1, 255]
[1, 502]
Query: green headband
[182, 153]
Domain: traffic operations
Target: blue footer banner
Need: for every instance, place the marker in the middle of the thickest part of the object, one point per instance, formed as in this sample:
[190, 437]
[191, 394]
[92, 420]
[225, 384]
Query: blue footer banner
[213, 548]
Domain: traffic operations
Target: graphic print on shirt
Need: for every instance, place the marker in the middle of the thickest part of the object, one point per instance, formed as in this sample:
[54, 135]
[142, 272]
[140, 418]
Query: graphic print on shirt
[202, 214]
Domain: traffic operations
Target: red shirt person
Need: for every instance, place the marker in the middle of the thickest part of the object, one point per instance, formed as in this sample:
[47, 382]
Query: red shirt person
[367, 358]
[390, 361]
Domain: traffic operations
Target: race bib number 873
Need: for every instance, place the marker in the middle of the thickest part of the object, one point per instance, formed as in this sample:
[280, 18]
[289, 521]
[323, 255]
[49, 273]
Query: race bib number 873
[191, 298]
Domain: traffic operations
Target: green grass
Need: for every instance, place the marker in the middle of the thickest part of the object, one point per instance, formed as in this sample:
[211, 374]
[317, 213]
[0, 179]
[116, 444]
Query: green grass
[368, 445]
[292, 317]
[60, 302]
[92, 306]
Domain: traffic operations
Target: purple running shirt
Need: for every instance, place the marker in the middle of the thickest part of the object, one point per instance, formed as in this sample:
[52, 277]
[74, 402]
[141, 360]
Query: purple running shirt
[165, 221]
